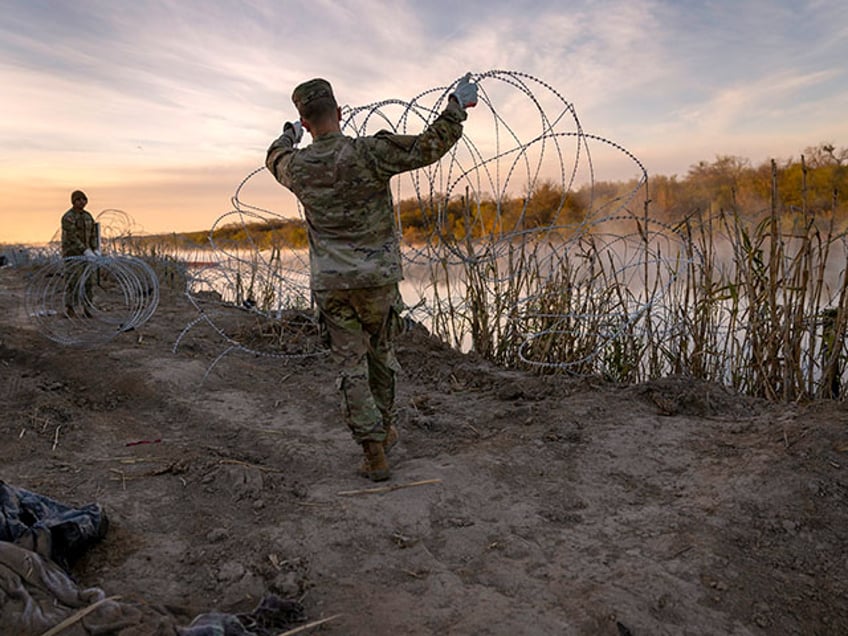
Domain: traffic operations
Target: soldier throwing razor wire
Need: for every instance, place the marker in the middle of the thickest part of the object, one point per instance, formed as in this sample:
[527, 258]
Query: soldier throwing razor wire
[354, 249]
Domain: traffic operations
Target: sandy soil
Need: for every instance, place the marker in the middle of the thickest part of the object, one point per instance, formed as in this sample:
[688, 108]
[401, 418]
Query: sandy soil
[550, 505]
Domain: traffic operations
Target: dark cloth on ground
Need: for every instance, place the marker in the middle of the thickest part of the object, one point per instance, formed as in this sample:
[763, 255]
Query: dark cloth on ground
[54, 530]
[40, 536]
[36, 594]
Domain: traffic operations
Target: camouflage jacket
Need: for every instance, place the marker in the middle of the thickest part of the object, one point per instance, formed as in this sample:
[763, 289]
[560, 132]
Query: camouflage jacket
[343, 185]
[79, 232]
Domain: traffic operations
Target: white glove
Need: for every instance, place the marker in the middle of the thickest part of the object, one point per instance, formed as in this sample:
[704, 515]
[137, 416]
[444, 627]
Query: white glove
[294, 130]
[465, 92]
[88, 253]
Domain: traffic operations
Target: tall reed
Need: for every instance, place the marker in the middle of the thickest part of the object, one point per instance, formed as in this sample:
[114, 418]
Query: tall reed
[755, 301]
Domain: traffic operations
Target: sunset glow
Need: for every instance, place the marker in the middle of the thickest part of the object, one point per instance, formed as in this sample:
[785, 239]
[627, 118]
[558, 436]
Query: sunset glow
[160, 109]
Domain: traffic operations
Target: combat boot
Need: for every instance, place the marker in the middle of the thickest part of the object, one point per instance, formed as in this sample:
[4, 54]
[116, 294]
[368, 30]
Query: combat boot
[392, 438]
[374, 464]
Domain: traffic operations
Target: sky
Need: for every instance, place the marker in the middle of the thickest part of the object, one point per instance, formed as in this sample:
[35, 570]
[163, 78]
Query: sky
[161, 109]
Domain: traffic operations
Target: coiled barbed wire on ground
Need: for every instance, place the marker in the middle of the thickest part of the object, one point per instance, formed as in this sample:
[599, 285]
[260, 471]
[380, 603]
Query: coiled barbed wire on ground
[269, 295]
[523, 137]
[107, 295]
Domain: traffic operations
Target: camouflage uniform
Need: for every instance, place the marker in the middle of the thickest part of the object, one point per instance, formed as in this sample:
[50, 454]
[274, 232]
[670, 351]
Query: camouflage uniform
[361, 324]
[79, 233]
[354, 250]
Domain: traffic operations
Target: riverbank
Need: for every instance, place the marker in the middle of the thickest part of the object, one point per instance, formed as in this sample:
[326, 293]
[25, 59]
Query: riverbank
[519, 504]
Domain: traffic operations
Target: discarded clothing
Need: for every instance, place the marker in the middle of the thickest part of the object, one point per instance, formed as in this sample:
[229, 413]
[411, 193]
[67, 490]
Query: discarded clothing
[36, 594]
[40, 537]
[56, 531]
[267, 619]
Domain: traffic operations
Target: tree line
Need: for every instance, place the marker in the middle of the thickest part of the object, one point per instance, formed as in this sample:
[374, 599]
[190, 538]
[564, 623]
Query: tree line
[813, 183]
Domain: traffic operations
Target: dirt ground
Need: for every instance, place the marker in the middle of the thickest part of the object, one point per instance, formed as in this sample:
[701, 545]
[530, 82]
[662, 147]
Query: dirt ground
[519, 503]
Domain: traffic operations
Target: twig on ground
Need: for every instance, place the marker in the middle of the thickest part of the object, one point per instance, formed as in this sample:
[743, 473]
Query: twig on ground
[390, 488]
[57, 629]
[137, 460]
[681, 551]
[56, 437]
[123, 477]
[173, 467]
[787, 443]
[297, 630]
[249, 465]
[415, 575]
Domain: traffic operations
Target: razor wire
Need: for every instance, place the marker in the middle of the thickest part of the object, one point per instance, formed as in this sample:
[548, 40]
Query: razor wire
[282, 328]
[522, 135]
[86, 301]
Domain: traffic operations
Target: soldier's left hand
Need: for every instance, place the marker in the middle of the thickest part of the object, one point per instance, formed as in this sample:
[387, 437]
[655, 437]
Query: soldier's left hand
[465, 92]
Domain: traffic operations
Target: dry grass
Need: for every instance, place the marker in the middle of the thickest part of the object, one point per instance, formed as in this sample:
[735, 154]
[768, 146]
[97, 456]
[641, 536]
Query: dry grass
[754, 301]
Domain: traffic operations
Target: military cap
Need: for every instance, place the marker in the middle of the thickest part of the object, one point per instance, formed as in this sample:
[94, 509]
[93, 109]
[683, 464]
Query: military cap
[310, 91]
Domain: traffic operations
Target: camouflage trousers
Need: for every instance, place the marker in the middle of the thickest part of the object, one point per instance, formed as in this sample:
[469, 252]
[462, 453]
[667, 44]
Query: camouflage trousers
[361, 324]
[78, 290]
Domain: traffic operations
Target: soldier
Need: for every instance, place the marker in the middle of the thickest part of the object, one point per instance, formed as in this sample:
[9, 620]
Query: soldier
[354, 249]
[79, 238]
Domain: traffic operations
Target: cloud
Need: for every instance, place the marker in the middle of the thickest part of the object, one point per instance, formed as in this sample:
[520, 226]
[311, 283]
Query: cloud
[771, 100]
[106, 91]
